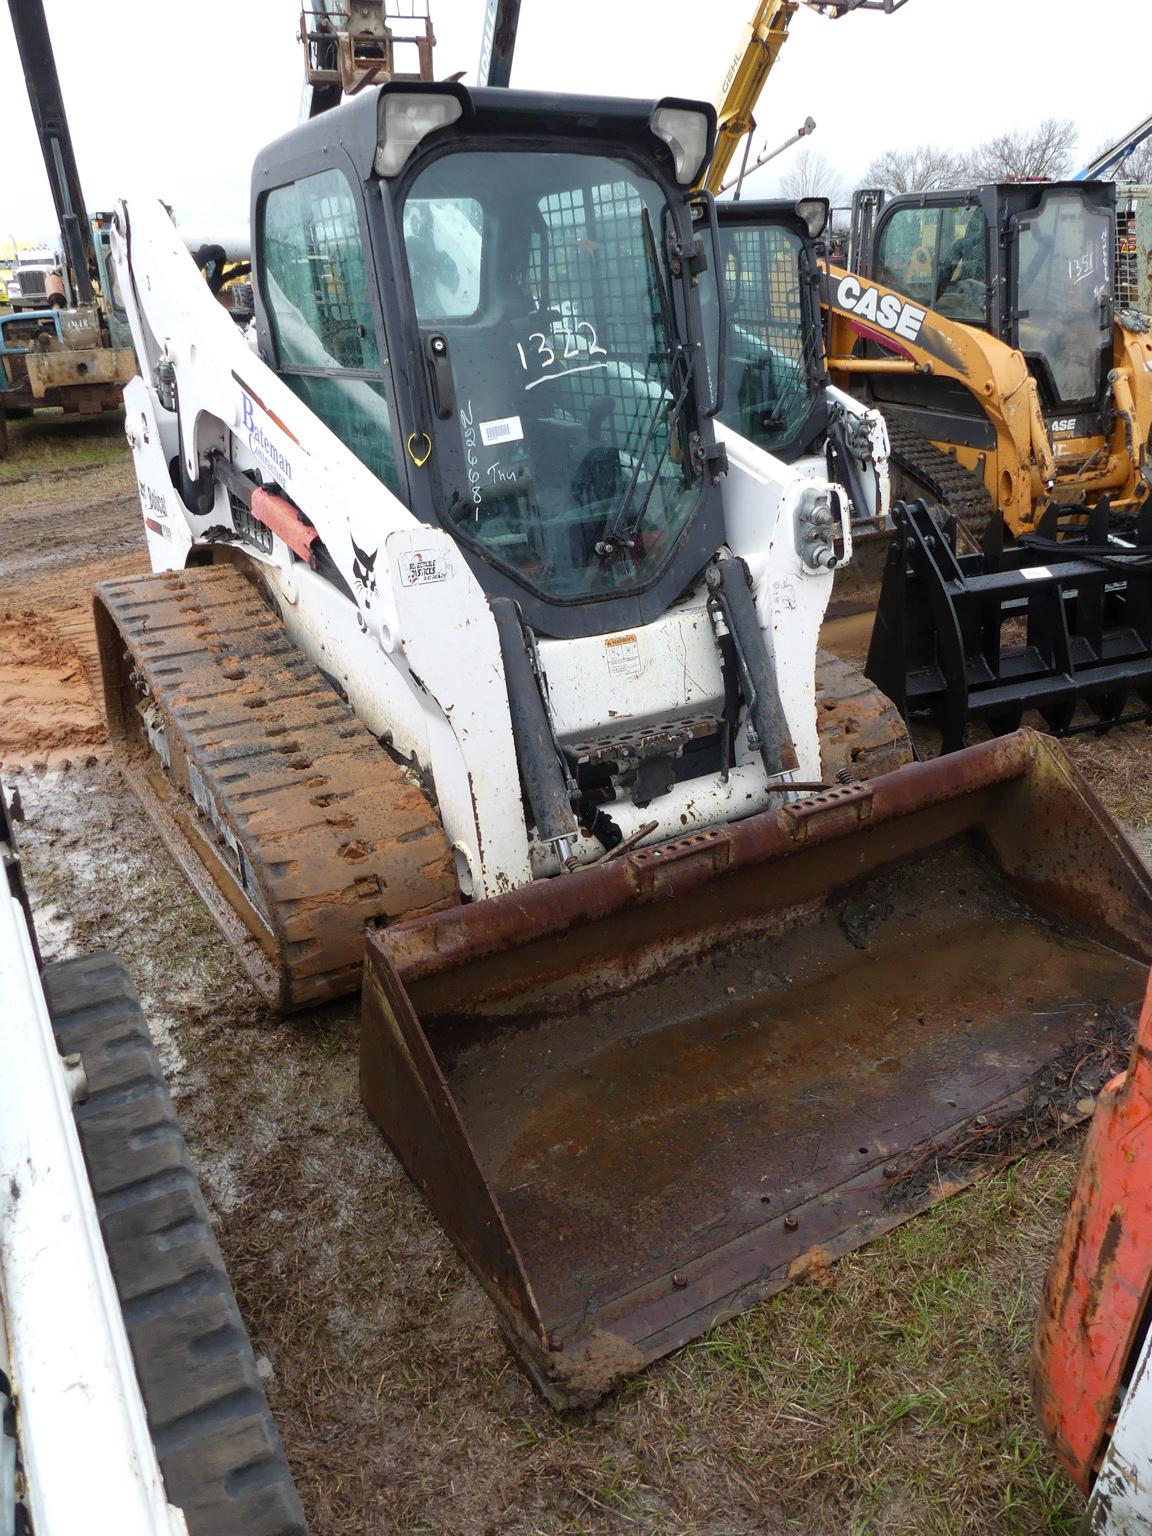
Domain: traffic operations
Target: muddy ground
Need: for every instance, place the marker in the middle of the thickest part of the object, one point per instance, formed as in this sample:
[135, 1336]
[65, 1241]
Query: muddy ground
[889, 1394]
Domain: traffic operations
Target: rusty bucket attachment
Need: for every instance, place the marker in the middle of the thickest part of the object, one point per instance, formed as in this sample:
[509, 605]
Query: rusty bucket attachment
[641, 1097]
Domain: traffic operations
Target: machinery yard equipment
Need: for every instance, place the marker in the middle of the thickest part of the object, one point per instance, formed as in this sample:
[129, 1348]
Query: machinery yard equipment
[349, 44]
[1033, 265]
[1134, 247]
[1025, 374]
[778, 392]
[881, 459]
[471, 625]
[79, 356]
[981, 325]
[27, 285]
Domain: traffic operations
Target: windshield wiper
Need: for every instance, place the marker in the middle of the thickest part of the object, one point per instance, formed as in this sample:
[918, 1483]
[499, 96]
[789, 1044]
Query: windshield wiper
[667, 321]
[620, 532]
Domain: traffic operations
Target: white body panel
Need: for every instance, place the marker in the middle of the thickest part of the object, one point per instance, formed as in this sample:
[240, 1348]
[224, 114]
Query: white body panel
[88, 1457]
[417, 651]
[1121, 1502]
[876, 431]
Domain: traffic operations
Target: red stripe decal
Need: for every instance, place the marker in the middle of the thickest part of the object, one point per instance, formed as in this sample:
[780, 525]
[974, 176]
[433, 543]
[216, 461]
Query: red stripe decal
[271, 415]
[883, 337]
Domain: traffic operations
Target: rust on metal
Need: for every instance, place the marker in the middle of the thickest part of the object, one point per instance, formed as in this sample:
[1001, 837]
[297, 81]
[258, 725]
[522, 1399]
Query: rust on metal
[1099, 1285]
[861, 732]
[283, 519]
[672, 1081]
[68, 368]
[283, 808]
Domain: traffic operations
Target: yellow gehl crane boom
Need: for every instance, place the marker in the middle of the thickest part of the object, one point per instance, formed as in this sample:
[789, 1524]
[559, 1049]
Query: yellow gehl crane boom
[760, 43]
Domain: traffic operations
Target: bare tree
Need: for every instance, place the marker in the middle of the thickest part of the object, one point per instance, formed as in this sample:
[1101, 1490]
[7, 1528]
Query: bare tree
[921, 169]
[1137, 167]
[1020, 156]
[811, 175]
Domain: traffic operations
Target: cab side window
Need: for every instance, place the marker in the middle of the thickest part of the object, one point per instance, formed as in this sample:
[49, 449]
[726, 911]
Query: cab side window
[906, 258]
[938, 257]
[962, 265]
[317, 297]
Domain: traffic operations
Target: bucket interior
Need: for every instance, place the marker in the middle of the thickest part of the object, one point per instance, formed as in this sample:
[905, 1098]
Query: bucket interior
[639, 1114]
[628, 1134]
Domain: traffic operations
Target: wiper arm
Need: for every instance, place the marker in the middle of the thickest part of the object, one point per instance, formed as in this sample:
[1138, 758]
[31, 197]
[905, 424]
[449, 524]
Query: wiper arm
[620, 531]
[667, 321]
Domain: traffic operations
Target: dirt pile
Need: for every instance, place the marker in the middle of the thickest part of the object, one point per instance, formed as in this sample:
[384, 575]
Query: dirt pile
[47, 712]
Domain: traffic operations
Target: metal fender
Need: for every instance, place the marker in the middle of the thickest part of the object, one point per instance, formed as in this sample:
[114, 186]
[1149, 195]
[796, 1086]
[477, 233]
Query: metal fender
[1097, 1291]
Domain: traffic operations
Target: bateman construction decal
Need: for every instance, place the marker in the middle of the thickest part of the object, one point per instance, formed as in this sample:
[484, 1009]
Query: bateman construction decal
[263, 447]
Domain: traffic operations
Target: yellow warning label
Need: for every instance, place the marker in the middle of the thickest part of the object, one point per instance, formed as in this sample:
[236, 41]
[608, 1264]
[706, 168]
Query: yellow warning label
[623, 655]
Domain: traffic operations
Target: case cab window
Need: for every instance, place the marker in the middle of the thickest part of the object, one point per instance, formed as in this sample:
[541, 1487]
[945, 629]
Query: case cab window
[938, 256]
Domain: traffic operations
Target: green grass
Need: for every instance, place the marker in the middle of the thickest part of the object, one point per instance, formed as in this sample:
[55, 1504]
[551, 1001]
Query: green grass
[892, 1395]
[49, 442]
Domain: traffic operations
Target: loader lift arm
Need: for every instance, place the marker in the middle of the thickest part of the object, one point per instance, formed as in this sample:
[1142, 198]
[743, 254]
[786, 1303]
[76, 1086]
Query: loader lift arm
[912, 341]
[1111, 159]
[30, 26]
[752, 63]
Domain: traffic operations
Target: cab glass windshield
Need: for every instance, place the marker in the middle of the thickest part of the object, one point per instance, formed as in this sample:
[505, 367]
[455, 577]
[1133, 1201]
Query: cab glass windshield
[1064, 292]
[772, 351]
[938, 256]
[543, 303]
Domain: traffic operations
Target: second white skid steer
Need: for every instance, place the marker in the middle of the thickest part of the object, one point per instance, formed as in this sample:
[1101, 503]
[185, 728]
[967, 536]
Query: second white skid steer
[472, 630]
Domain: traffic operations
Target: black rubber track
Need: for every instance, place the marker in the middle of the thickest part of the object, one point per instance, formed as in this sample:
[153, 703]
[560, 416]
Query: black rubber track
[957, 488]
[217, 1443]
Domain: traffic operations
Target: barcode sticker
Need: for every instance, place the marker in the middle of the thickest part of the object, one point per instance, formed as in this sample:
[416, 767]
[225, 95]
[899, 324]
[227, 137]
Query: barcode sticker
[506, 430]
[1036, 572]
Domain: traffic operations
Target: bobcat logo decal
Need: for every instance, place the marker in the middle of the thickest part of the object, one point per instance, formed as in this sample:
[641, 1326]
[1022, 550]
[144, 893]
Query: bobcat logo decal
[364, 572]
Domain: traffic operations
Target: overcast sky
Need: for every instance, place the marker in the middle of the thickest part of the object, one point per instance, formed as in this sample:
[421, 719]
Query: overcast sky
[175, 98]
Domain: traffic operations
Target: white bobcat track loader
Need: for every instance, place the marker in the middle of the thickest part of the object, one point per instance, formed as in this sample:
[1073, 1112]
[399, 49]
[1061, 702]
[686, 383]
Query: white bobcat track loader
[627, 697]
[472, 627]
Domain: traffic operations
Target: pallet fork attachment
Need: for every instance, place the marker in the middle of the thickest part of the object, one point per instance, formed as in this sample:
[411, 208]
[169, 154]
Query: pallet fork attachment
[1059, 619]
[643, 1096]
